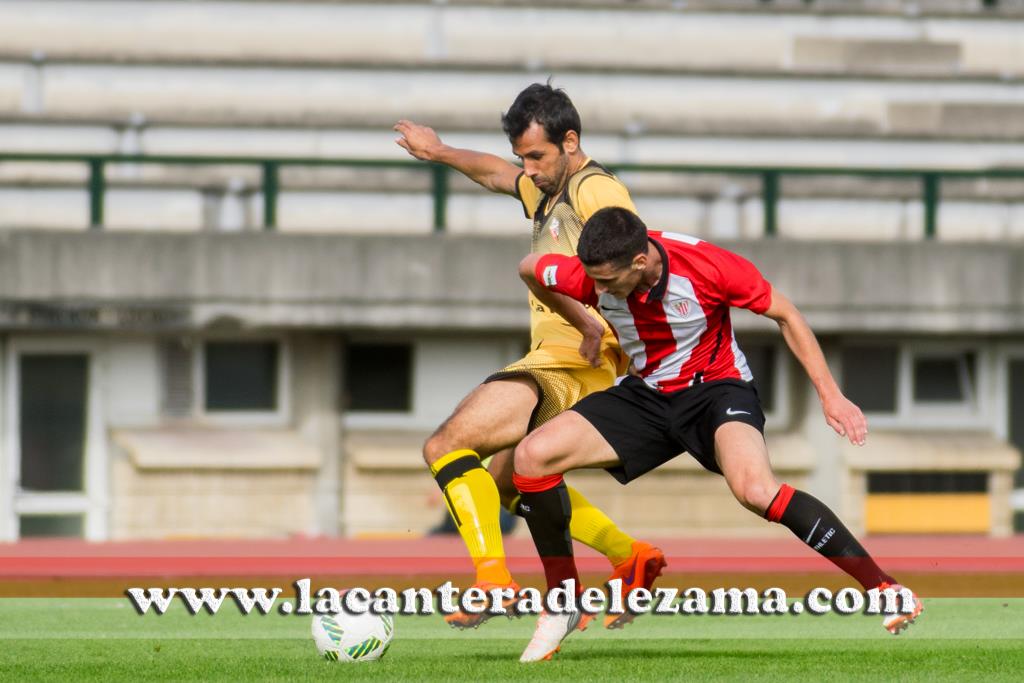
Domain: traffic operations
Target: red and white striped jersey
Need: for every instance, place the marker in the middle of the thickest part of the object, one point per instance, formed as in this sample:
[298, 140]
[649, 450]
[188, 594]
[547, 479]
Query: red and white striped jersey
[679, 332]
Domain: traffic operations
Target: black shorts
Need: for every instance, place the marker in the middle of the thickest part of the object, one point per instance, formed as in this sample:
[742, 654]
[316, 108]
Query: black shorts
[647, 428]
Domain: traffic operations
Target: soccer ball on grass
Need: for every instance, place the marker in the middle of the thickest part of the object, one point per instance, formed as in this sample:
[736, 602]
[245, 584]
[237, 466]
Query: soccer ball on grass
[353, 637]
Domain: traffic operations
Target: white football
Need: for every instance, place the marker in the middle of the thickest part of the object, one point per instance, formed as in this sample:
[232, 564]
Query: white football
[353, 637]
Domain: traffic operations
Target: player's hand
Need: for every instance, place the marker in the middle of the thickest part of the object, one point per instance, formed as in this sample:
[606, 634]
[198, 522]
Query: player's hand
[846, 418]
[590, 347]
[419, 141]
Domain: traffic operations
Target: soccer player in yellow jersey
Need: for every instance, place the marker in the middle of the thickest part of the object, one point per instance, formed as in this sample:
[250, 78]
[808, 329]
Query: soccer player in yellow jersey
[560, 188]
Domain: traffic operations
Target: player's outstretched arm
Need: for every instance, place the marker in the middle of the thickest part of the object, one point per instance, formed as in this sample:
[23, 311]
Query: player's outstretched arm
[491, 171]
[840, 413]
[573, 311]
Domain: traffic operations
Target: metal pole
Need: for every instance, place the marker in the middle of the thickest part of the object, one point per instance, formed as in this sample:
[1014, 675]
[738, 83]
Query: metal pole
[770, 199]
[270, 192]
[931, 204]
[439, 187]
[97, 190]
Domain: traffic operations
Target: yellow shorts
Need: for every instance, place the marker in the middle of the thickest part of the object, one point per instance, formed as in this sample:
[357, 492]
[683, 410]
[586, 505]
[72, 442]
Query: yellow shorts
[561, 385]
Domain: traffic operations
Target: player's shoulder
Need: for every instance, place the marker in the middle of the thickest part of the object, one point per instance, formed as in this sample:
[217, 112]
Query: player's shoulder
[678, 241]
[676, 238]
[691, 254]
[529, 194]
[594, 187]
[592, 175]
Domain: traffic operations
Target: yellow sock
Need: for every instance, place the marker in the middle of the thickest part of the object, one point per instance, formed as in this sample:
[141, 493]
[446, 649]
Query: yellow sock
[590, 526]
[474, 504]
[513, 505]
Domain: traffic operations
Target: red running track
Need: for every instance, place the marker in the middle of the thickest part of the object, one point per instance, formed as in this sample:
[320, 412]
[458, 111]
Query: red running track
[71, 559]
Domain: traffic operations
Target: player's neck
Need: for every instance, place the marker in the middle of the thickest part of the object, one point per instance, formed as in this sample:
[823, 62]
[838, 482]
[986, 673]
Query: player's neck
[652, 273]
[577, 161]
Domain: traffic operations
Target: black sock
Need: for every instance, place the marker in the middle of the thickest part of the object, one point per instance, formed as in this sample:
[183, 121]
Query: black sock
[547, 513]
[816, 525]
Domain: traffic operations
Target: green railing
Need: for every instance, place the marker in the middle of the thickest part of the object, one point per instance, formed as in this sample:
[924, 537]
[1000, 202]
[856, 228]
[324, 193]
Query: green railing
[930, 178]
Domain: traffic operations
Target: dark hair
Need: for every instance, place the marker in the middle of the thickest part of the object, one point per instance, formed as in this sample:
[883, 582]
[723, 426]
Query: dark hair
[612, 235]
[550, 107]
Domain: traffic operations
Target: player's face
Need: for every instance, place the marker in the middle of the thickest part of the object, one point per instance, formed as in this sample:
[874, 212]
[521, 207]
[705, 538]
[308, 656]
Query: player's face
[619, 281]
[544, 162]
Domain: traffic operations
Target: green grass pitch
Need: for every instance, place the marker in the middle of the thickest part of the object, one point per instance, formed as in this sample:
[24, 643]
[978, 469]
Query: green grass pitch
[105, 640]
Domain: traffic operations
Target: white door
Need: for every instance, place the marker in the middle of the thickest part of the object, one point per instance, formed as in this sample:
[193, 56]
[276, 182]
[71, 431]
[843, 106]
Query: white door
[56, 455]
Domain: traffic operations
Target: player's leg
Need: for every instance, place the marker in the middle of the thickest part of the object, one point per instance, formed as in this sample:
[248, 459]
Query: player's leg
[742, 456]
[501, 467]
[590, 525]
[493, 417]
[623, 429]
[566, 442]
[562, 388]
[634, 563]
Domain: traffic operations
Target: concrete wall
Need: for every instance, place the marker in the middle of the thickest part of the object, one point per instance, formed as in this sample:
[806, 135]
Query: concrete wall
[388, 491]
[190, 504]
[125, 281]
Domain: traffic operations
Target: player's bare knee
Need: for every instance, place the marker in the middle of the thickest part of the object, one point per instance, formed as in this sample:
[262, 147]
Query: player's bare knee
[436, 446]
[532, 459]
[755, 495]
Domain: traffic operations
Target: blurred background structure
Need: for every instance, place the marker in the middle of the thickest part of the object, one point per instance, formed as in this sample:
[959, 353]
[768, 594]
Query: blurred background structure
[230, 306]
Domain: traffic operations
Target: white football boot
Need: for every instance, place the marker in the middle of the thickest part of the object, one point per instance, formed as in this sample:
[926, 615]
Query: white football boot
[895, 623]
[550, 632]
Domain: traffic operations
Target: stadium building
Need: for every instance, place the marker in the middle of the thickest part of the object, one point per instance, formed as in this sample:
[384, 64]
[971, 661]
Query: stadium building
[248, 326]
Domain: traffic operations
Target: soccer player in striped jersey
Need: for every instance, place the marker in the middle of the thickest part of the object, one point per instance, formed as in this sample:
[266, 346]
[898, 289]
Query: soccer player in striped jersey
[559, 188]
[668, 297]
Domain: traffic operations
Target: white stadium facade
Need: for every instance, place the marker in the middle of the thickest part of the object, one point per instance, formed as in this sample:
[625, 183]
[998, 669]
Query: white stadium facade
[248, 326]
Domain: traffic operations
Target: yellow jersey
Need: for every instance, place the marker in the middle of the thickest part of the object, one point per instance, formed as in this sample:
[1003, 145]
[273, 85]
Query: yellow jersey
[557, 224]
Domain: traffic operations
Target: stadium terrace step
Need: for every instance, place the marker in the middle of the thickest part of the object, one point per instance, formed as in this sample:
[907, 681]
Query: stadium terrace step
[329, 79]
[953, 119]
[886, 56]
[625, 104]
[667, 36]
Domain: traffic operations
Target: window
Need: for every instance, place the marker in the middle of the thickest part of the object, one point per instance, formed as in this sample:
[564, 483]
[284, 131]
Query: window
[378, 377]
[870, 377]
[768, 360]
[944, 378]
[1015, 408]
[241, 375]
[52, 408]
[927, 482]
[51, 526]
[762, 357]
[918, 384]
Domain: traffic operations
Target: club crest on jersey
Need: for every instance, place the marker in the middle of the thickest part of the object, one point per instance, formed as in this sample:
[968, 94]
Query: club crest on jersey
[551, 276]
[554, 227]
[682, 307]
